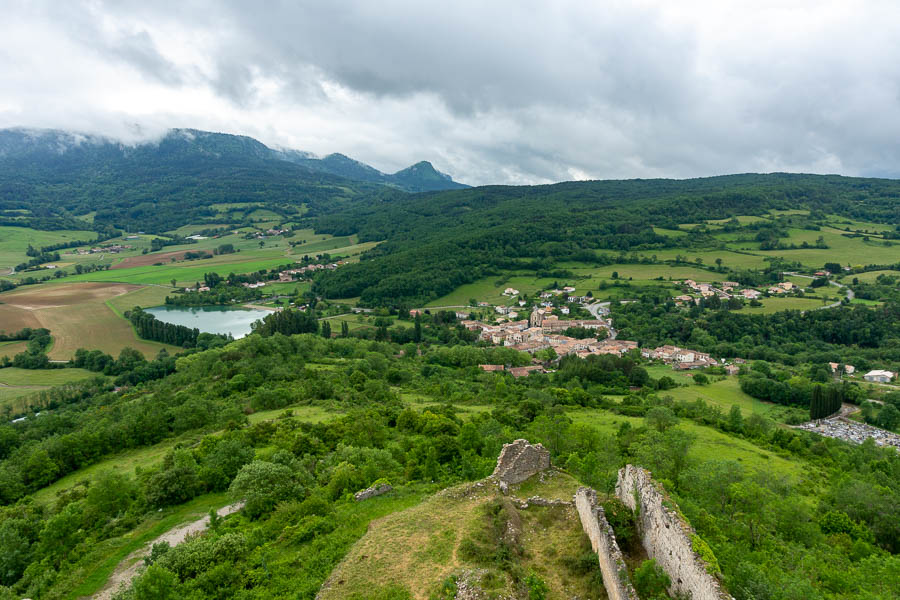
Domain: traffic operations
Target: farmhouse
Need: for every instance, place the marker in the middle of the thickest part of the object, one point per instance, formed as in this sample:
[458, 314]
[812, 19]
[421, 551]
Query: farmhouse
[524, 371]
[879, 376]
[684, 359]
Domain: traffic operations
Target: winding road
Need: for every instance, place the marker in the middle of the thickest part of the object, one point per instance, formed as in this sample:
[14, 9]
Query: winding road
[850, 294]
[595, 309]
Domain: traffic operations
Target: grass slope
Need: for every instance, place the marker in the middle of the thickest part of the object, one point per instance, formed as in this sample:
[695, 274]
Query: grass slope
[417, 549]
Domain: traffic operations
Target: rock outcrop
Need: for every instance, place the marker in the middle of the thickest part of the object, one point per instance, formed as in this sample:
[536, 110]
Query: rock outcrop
[375, 490]
[669, 538]
[520, 460]
[603, 541]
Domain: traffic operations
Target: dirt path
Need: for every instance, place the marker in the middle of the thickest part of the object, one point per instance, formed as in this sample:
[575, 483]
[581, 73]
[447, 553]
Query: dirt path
[130, 567]
[261, 307]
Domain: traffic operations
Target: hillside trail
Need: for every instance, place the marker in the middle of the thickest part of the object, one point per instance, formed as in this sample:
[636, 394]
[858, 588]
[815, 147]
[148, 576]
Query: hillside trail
[128, 569]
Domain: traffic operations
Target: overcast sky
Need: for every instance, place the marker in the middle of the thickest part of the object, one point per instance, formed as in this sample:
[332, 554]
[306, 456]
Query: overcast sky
[490, 92]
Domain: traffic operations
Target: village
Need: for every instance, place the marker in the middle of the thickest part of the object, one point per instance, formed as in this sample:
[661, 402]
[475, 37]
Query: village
[544, 333]
[111, 249]
[726, 290]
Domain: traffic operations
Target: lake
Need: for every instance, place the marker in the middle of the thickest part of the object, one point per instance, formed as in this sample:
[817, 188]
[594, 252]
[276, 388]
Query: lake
[211, 319]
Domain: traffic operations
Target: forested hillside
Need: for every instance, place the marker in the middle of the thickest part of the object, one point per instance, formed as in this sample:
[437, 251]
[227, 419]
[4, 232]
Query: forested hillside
[436, 242]
[48, 178]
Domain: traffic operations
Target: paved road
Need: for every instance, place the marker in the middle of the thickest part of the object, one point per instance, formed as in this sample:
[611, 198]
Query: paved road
[849, 292]
[594, 309]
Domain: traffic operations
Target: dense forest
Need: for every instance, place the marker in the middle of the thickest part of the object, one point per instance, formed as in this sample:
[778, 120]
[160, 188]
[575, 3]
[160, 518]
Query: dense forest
[435, 242]
[831, 533]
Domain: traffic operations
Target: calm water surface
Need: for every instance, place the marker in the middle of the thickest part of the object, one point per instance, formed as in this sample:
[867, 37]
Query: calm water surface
[211, 319]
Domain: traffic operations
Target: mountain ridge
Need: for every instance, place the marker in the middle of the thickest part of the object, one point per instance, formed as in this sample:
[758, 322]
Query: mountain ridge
[20, 143]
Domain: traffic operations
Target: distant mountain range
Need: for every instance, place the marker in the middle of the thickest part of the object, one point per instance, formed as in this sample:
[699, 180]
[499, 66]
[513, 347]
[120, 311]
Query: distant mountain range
[62, 149]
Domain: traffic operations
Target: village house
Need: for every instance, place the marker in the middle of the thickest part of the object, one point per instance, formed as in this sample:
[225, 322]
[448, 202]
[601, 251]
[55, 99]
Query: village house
[751, 294]
[525, 371]
[680, 357]
[510, 292]
[879, 376]
[462, 315]
[492, 367]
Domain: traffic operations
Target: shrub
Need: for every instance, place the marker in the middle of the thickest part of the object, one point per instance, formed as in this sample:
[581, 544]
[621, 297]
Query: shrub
[651, 581]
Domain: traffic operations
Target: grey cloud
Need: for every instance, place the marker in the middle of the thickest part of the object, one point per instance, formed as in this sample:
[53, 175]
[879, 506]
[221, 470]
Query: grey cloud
[502, 92]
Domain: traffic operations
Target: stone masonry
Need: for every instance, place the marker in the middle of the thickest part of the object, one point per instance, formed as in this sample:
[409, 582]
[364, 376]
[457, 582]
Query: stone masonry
[667, 536]
[603, 541]
[373, 491]
[520, 460]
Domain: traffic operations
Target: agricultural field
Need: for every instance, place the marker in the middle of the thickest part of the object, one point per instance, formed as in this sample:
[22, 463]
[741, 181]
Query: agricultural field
[490, 289]
[776, 304]
[17, 384]
[869, 276]
[78, 317]
[726, 393]
[730, 258]
[14, 241]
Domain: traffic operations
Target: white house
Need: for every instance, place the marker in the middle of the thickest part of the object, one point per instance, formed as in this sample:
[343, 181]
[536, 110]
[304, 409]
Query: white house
[879, 376]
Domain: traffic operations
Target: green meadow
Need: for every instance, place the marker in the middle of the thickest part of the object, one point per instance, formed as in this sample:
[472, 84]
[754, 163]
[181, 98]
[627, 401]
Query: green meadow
[14, 241]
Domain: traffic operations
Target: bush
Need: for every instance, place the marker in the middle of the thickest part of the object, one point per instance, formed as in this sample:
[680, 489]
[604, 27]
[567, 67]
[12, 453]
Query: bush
[262, 485]
[651, 581]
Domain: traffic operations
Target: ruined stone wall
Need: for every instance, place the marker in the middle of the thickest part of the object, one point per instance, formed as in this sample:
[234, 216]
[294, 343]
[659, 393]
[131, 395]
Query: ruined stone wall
[520, 460]
[603, 541]
[667, 536]
[375, 490]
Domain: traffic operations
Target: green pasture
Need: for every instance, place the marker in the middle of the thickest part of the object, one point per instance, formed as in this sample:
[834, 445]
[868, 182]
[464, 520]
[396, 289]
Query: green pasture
[777, 304]
[123, 463]
[324, 245]
[734, 260]
[49, 377]
[186, 272]
[792, 211]
[710, 444]
[195, 228]
[725, 393]
[490, 289]
[306, 413]
[11, 396]
[869, 276]
[643, 273]
[860, 226]
[742, 219]
[841, 249]
[669, 232]
[14, 241]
